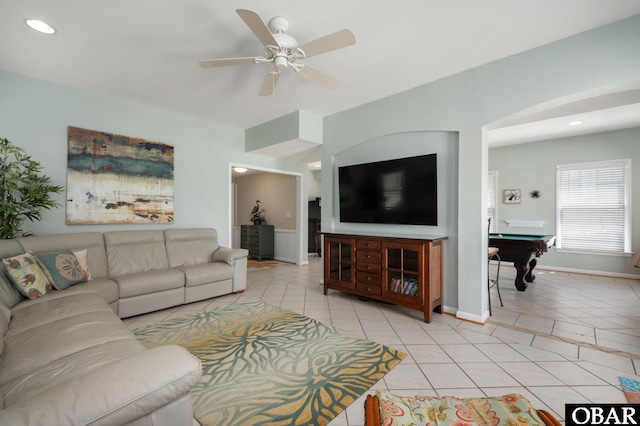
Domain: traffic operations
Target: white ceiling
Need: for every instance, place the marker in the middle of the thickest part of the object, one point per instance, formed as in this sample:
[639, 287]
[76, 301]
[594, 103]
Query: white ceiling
[147, 50]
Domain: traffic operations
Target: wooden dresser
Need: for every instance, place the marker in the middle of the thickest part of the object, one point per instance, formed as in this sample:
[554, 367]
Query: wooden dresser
[259, 240]
[402, 271]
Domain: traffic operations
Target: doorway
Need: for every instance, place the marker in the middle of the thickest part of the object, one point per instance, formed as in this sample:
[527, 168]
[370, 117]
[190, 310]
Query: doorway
[281, 203]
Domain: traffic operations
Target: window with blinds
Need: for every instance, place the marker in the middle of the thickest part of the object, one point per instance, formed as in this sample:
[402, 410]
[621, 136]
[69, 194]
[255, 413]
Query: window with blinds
[491, 195]
[593, 207]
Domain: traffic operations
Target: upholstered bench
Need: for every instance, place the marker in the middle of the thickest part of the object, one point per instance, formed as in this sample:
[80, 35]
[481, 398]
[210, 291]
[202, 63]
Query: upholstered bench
[385, 408]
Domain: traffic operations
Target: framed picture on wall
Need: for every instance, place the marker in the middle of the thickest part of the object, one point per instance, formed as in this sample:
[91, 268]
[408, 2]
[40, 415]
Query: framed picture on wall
[512, 196]
[118, 179]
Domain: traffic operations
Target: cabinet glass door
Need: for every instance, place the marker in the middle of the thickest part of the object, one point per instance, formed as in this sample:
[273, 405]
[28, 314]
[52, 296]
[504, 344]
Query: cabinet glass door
[340, 261]
[402, 271]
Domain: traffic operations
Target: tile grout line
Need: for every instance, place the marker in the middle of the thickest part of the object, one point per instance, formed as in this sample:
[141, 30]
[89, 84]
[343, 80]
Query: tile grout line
[568, 340]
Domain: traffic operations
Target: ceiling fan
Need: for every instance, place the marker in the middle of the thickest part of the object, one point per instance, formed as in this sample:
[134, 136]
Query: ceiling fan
[283, 51]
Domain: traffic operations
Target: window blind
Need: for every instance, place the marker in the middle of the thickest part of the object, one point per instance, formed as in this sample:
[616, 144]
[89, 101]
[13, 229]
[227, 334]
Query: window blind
[593, 200]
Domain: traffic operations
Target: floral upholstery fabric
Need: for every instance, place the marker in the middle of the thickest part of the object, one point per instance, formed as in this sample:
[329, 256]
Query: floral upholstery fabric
[27, 276]
[507, 410]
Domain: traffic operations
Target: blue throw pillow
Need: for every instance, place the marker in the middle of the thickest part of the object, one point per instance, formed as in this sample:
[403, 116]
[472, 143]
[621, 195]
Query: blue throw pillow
[62, 268]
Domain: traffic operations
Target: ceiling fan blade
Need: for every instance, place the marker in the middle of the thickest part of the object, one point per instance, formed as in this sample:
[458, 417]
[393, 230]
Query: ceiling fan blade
[212, 63]
[258, 27]
[319, 77]
[269, 83]
[328, 43]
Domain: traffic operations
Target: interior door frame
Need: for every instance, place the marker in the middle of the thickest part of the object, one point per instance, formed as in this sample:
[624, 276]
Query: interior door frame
[301, 249]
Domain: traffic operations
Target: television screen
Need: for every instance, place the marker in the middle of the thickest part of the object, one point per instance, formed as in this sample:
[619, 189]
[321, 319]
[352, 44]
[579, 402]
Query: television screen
[401, 191]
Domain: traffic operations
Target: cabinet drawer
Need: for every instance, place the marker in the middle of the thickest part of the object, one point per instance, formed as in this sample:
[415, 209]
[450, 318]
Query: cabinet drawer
[368, 267]
[367, 277]
[368, 244]
[368, 256]
[369, 288]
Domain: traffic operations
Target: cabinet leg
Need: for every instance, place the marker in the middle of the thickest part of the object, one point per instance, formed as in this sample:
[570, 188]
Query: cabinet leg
[427, 314]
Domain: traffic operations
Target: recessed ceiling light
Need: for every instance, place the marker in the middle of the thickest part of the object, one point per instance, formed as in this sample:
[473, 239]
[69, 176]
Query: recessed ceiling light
[40, 26]
[240, 169]
[575, 123]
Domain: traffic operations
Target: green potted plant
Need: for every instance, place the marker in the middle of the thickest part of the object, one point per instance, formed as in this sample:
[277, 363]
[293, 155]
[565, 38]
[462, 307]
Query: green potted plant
[24, 190]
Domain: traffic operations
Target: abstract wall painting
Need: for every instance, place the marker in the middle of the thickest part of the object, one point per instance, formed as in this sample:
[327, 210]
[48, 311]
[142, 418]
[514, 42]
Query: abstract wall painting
[118, 179]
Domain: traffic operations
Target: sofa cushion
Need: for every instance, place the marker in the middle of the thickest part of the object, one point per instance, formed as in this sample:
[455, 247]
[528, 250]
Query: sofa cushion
[62, 268]
[68, 368]
[27, 275]
[28, 315]
[61, 338]
[207, 273]
[130, 252]
[121, 392]
[5, 317]
[106, 289]
[9, 294]
[190, 246]
[149, 282]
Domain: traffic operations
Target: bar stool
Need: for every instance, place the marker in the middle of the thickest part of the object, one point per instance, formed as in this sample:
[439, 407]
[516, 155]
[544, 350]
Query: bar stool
[493, 282]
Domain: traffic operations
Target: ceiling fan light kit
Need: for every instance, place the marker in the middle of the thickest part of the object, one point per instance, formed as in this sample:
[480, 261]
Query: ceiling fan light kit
[283, 51]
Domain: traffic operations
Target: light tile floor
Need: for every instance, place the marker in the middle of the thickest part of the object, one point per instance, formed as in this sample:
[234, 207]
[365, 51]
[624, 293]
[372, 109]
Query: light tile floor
[566, 339]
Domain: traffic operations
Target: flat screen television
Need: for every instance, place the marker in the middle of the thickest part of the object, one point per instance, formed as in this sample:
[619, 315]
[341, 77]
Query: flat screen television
[401, 191]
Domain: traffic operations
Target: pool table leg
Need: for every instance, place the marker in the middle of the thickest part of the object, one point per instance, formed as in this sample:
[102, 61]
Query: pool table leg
[530, 277]
[521, 271]
[524, 273]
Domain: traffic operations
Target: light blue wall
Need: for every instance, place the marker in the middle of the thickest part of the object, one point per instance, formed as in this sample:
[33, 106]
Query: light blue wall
[34, 115]
[409, 144]
[468, 103]
[532, 166]
[281, 129]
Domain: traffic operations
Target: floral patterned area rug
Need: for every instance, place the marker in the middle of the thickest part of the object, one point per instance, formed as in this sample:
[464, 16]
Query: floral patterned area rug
[266, 365]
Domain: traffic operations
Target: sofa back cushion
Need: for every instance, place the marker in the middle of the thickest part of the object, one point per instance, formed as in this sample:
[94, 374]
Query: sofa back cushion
[130, 252]
[93, 242]
[190, 246]
[9, 295]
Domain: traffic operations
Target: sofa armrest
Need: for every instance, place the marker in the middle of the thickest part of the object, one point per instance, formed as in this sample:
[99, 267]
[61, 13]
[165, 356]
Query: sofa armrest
[229, 255]
[117, 393]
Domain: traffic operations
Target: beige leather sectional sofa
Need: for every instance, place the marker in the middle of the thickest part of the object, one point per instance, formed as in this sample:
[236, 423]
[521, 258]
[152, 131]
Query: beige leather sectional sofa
[67, 358]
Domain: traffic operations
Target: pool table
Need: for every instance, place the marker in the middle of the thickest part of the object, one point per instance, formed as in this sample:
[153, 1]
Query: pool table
[521, 249]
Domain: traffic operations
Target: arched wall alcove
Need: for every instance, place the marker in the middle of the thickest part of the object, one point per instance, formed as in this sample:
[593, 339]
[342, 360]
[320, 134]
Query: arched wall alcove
[409, 144]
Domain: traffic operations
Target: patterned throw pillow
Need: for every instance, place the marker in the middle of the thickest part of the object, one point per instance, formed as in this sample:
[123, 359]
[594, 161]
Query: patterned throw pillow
[82, 259]
[62, 268]
[27, 276]
[511, 409]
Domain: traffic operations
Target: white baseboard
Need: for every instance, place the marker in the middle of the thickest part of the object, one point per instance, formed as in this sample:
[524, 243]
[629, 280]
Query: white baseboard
[472, 317]
[577, 271]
